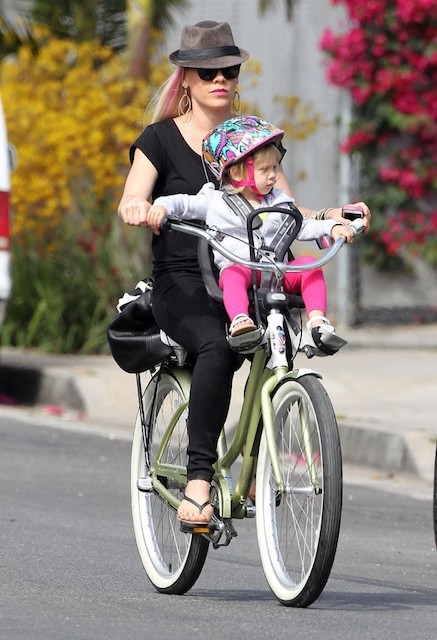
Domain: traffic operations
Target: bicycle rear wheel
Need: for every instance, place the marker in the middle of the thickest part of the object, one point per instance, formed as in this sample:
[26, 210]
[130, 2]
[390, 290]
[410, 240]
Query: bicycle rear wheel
[172, 560]
[298, 529]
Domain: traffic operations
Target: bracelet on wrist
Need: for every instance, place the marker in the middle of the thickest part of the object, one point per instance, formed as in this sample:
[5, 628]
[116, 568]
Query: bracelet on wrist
[321, 214]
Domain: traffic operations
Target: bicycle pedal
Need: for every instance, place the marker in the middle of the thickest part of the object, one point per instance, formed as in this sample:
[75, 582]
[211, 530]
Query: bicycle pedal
[195, 527]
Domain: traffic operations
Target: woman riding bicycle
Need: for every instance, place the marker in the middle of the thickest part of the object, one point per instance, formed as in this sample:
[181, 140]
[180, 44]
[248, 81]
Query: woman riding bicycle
[166, 159]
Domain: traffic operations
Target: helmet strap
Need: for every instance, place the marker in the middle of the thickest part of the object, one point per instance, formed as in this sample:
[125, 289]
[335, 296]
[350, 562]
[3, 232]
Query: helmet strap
[250, 182]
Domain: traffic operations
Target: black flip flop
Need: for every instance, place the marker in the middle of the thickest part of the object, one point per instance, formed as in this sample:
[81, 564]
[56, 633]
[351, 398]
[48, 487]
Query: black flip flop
[190, 523]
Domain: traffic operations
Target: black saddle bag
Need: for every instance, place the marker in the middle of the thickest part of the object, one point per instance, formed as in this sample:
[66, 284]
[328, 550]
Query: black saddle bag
[133, 334]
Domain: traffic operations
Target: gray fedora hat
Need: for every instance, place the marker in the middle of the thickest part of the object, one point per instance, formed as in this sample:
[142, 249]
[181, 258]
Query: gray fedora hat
[208, 45]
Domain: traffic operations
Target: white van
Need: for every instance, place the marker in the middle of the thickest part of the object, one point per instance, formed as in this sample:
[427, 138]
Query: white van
[5, 186]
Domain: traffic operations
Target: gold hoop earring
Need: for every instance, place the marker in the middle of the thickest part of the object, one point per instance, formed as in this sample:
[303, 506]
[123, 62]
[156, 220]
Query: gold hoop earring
[184, 105]
[236, 102]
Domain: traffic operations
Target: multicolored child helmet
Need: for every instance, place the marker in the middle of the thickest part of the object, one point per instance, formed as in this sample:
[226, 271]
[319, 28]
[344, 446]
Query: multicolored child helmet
[234, 139]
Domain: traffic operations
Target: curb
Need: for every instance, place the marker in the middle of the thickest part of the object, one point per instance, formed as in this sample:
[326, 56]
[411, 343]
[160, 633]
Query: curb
[362, 447]
[32, 386]
[376, 449]
[60, 390]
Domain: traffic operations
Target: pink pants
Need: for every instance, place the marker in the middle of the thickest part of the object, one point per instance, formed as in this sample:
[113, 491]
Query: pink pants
[235, 281]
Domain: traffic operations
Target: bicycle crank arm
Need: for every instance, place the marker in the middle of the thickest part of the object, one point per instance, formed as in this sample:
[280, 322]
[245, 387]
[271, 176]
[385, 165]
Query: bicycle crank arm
[229, 531]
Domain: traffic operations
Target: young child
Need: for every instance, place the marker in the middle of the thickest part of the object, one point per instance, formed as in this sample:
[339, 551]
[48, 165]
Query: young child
[245, 153]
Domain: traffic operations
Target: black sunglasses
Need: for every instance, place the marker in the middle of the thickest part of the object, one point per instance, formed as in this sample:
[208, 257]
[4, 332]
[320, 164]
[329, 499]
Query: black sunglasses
[230, 73]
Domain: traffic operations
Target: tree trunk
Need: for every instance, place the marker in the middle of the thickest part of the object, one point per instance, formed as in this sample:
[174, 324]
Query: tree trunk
[139, 19]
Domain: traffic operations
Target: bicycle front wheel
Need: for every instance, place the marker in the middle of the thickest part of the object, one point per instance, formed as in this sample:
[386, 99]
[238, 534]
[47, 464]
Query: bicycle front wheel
[298, 528]
[172, 560]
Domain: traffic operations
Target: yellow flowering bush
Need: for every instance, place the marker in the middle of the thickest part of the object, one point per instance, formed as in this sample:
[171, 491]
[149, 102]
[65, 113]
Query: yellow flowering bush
[71, 113]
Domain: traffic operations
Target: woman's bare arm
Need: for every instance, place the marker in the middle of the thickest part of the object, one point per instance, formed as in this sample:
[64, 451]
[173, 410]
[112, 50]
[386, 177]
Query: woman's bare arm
[140, 181]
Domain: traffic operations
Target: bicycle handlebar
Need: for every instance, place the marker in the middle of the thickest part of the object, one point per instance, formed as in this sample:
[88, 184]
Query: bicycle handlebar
[212, 236]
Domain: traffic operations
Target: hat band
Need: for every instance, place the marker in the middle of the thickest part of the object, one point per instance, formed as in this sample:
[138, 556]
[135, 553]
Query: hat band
[204, 54]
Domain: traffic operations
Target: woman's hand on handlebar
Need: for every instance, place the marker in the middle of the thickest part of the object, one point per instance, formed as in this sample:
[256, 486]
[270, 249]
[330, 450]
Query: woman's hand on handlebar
[154, 218]
[336, 214]
[133, 211]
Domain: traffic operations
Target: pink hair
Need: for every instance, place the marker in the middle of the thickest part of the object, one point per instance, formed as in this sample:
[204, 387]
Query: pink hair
[165, 102]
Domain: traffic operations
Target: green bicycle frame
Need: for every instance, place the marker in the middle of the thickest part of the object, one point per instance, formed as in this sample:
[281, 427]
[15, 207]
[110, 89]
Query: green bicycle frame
[257, 407]
[159, 469]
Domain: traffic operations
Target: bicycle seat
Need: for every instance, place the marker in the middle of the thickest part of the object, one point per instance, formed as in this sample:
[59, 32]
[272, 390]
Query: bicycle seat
[168, 341]
[180, 352]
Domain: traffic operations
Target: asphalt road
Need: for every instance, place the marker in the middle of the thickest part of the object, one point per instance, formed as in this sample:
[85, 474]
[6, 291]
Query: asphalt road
[69, 568]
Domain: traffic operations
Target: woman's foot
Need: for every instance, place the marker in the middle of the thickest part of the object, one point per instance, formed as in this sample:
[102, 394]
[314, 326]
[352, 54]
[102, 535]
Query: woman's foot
[196, 506]
[241, 324]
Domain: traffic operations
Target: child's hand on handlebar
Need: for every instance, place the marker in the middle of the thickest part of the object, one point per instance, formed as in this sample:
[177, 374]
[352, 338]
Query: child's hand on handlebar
[343, 231]
[154, 217]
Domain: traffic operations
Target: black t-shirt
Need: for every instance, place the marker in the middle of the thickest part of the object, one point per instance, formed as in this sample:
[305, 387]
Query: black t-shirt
[180, 170]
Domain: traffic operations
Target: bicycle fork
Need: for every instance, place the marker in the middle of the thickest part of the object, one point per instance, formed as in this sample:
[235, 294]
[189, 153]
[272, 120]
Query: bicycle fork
[269, 429]
[279, 364]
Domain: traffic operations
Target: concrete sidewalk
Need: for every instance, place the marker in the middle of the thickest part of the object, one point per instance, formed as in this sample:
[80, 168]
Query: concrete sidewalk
[382, 384]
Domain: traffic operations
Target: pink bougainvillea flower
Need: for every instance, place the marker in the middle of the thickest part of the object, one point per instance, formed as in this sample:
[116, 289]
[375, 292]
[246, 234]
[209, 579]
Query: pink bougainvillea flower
[386, 58]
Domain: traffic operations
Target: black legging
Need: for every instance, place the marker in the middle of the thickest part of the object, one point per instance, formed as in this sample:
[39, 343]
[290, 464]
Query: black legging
[184, 311]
